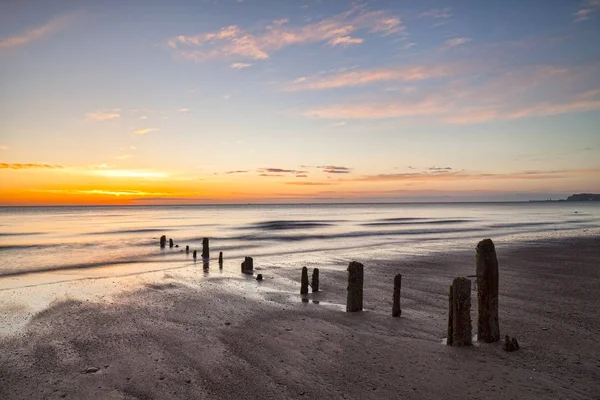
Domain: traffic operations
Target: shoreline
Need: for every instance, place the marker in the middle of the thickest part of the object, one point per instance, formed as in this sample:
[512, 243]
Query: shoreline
[233, 337]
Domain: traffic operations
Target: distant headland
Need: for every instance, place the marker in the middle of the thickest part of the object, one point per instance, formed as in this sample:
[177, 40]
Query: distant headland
[574, 197]
[584, 197]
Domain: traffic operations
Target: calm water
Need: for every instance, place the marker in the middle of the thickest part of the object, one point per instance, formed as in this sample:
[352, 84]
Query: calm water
[37, 239]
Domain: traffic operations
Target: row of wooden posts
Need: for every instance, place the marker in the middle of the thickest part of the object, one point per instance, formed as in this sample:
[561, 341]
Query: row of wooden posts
[459, 296]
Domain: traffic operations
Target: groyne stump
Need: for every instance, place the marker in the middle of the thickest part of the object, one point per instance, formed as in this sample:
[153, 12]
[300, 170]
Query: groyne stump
[488, 328]
[396, 311]
[354, 301]
[459, 319]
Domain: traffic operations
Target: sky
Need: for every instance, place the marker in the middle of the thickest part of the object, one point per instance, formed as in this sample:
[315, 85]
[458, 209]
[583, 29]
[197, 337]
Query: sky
[260, 101]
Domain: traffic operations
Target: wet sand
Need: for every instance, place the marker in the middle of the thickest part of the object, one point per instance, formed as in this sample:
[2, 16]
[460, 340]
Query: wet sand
[187, 334]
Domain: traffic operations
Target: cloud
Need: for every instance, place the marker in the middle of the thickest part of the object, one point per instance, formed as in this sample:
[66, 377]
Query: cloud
[102, 192]
[36, 33]
[102, 116]
[4, 147]
[500, 95]
[584, 14]
[239, 65]
[437, 13]
[183, 110]
[232, 41]
[456, 42]
[143, 131]
[344, 41]
[30, 166]
[300, 183]
[338, 124]
[462, 176]
[374, 75]
[236, 172]
[280, 171]
[440, 169]
[332, 169]
[122, 173]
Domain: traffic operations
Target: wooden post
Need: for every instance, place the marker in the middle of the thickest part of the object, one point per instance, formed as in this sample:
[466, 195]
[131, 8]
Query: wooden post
[171, 243]
[248, 265]
[205, 250]
[163, 241]
[304, 281]
[187, 249]
[450, 317]
[220, 259]
[315, 280]
[488, 328]
[396, 311]
[354, 302]
[461, 312]
[194, 255]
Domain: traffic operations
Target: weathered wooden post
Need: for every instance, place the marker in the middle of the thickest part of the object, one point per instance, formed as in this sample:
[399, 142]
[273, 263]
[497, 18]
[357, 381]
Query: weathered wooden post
[460, 313]
[205, 250]
[194, 255]
[171, 243]
[248, 265]
[163, 241]
[396, 311]
[304, 281]
[314, 284]
[488, 328]
[450, 317]
[354, 302]
[187, 249]
[221, 259]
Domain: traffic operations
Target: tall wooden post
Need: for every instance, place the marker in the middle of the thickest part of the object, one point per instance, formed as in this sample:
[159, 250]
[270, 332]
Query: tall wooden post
[205, 250]
[460, 313]
[450, 317]
[354, 302]
[396, 311]
[171, 243]
[488, 328]
[221, 259]
[187, 249]
[194, 254]
[163, 241]
[315, 280]
[304, 281]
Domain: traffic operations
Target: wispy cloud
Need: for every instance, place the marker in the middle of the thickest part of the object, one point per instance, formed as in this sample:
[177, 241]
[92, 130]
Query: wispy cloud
[122, 173]
[333, 169]
[338, 124]
[437, 13]
[240, 65]
[583, 14]
[30, 166]
[462, 176]
[371, 76]
[236, 172]
[36, 33]
[143, 131]
[102, 116]
[183, 110]
[3, 147]
[235, 42]
[345, 41]
[280, 171]
[456, 42]
[302, 183]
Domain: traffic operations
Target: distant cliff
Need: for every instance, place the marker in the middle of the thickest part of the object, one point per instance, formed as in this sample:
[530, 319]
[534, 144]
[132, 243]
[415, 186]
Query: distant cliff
[584, 197]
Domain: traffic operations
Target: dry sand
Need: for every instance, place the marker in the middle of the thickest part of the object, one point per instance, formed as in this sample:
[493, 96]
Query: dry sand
[197, 336]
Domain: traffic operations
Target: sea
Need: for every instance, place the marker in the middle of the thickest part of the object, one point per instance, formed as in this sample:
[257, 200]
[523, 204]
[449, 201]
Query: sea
[125, 239]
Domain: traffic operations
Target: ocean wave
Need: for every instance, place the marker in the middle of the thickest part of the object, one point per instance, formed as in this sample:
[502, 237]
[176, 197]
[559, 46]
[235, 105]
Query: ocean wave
[418, 222]
[20, 233]
[125, 231]
[287, 225]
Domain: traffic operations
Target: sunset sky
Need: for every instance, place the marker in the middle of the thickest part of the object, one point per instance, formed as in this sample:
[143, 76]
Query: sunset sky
[150, 102]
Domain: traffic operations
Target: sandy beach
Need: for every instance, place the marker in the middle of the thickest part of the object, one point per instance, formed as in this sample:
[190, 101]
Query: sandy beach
[213, 335]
